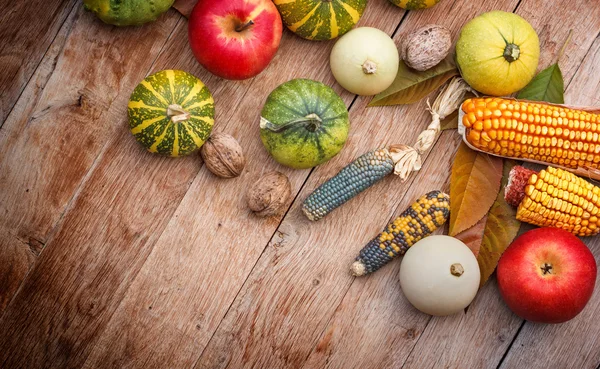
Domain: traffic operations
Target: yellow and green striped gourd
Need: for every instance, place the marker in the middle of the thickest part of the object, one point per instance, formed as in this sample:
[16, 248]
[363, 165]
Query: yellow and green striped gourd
[171, 112]
[320, 19]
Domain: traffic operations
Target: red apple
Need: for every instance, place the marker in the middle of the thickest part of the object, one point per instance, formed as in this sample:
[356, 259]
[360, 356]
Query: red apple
[547, 275]
[235, 39]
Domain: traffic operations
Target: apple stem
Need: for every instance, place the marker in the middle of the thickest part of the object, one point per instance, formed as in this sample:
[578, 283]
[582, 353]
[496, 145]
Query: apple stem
[244, 26]
[177, 113]
[547, 268]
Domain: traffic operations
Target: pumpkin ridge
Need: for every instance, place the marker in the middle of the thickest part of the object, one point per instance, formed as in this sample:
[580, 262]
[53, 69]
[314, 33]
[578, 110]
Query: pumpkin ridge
[148, 86]
[159, 139]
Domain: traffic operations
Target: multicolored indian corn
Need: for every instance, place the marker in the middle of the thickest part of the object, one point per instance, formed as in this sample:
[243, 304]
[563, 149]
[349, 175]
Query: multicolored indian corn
[533, 131]
[423, 217]
[555, 198]
[356, 177]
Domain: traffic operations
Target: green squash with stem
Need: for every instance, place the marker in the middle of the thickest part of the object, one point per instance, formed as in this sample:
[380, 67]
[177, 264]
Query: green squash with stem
[304, 123]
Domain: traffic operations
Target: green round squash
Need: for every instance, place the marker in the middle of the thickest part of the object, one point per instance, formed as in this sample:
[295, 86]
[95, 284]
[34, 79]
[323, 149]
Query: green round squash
[127, 12]
[303, 123]
[171, 112]
[320, 19]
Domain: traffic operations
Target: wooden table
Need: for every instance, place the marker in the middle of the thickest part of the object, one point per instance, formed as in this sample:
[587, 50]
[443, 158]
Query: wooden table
[113, 257]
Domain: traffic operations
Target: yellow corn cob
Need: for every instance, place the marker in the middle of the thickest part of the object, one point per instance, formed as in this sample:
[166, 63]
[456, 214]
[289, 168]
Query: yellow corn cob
[534, 131]
[560, 199]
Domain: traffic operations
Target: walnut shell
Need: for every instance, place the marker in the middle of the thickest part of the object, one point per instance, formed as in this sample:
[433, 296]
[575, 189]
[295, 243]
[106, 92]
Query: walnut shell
[269, 195]
[426, 47]
[223, 155]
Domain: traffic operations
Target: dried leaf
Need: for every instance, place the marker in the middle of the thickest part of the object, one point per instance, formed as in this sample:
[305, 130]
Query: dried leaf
[411, 86]
[547, 86]
[473, 236]
[185, 6]
[500, 230]
[474, 186]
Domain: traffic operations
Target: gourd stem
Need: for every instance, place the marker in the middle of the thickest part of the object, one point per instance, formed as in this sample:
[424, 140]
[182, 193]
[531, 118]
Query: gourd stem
[244, 26]
[311, 121]
[177, 113]
[456, 269]
[369, 67]
[511, 53]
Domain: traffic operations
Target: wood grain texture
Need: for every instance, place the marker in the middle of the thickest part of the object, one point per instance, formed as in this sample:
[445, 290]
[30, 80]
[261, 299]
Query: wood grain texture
[210, 246]
[24, 43]
[574, 344]
[59, 126]
[261, 320]
[185, 7]
[152, 262]
[18, 252]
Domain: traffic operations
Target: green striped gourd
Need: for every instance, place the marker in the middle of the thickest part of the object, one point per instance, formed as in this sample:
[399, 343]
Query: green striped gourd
[320, 19]
[304, 123]
[171, 112]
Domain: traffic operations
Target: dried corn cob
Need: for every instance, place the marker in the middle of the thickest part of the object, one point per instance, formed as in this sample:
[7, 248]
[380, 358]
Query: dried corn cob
[556, 198]
[533, 131]
[423, 217]
[354, 178]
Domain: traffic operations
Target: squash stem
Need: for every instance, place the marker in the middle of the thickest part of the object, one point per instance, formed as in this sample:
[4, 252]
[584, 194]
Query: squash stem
[177, 113]
[511, 52]
[369, 67]
[244, 26]
[312, 122]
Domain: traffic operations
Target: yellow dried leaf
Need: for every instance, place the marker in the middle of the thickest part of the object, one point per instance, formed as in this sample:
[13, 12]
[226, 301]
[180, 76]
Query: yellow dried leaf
[500, 230]
[474, 185]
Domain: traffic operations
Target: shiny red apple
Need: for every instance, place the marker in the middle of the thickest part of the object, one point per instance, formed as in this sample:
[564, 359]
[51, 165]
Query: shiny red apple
[235, 39]
[547, 275]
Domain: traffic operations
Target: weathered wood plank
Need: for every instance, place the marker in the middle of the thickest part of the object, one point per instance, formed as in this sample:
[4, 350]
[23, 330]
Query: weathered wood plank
[285, 305]
[185, 7]
[18, 254]
[24, 43]
[574, 344]
[60, 124]
[210, 246]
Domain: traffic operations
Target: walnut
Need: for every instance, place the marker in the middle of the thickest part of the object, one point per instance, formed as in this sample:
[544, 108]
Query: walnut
[426, 47]
[269, 195]
[223, 155]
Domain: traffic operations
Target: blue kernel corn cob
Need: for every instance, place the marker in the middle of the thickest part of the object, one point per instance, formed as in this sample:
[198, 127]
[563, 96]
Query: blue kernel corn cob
[422, 218]
[356, 177]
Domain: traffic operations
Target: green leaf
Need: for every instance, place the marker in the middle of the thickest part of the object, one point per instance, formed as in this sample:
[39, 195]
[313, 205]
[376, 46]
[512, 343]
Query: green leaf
[547, 86]
[500, 230]
[411, 86]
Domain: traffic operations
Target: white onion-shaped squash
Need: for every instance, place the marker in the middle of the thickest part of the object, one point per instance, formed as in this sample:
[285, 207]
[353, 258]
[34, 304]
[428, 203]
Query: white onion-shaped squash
[439, 275]
[364, 61]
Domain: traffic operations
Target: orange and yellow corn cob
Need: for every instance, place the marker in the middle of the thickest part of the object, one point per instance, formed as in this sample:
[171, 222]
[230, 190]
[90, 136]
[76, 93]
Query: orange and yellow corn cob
[533, 131]
[555, 198]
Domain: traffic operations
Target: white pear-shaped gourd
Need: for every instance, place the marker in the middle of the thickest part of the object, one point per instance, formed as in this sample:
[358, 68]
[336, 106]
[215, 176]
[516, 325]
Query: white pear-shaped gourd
[439, 275]
[365, 61]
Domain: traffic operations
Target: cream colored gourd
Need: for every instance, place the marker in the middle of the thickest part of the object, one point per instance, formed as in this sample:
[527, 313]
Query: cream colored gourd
[364, 61]
[439, 275]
